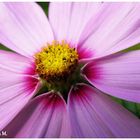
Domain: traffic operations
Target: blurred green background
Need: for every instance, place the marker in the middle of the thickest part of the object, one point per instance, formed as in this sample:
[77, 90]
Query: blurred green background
[133, 107]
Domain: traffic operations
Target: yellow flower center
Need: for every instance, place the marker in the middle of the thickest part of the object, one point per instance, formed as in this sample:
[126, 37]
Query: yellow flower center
[56, 61]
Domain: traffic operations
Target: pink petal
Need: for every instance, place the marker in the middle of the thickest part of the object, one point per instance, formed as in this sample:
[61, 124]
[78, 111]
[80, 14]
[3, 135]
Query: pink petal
[94, 114]
[44, 116]
[17, 85]
[131, 40]
[113, 30]
[69, 19]
[117, 75]
[24, 27]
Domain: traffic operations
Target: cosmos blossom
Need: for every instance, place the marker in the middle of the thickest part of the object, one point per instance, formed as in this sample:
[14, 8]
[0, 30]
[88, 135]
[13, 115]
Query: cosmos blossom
[55, 83]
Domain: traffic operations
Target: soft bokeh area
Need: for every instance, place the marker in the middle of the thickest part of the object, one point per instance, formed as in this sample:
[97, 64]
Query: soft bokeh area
[133, 107]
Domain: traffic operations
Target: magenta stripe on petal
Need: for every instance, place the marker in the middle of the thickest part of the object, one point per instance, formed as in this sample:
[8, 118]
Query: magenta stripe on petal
[94, 114]
[113, 30]
[117, 75]
[17, 86]
[44, 116]
[84, 120]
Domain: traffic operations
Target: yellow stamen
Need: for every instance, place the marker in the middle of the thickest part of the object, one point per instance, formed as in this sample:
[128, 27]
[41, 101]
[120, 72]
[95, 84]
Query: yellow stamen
[56, 60]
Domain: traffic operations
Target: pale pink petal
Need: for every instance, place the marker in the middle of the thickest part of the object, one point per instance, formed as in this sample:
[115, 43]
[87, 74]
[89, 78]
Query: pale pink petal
[44, 116]
[117, 75]
[113, 30]
[131, 40]
[69, 19]
[17, 85]
[94, 114]
[24, 27]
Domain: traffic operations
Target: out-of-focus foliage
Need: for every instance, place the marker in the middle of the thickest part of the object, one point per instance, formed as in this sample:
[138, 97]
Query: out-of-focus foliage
[44, 6]
[136, 47]
[4, 48]
[133, 107]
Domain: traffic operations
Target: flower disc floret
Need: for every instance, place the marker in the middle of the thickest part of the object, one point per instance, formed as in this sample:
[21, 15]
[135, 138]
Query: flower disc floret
[56, 61]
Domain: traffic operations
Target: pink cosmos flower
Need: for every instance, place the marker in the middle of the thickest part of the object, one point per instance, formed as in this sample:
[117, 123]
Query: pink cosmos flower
[45, 57]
